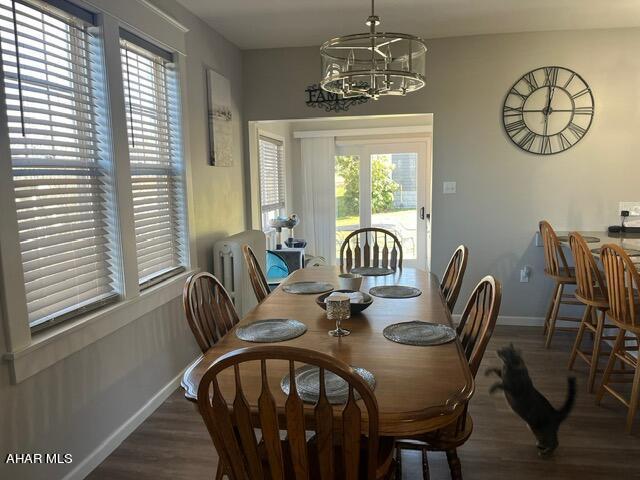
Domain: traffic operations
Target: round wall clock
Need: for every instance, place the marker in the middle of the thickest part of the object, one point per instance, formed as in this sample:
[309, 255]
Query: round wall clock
[548, 110]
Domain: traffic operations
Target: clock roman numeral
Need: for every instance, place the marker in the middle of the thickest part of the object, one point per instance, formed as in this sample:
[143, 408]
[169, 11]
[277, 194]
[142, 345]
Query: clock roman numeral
[512, 111]
[573, 75]
[515, 92]
[545, 145]
[550, 76]
[526, 141]
[583, 111]
[580, 93]
[577, 130]
[531, 81]
[563, 141]
[515, 128]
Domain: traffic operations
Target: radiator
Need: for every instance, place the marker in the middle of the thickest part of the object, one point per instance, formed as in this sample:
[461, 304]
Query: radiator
[230, 268]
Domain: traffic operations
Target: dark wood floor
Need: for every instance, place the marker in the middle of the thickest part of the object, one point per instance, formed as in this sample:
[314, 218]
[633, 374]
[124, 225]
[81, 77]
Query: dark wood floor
[173, 444]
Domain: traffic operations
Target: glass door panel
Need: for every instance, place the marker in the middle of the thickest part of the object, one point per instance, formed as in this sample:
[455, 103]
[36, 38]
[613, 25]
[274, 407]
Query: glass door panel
[394, 198]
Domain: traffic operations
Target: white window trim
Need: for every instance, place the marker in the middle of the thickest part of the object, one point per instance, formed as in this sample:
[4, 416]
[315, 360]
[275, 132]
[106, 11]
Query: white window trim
[29, 353]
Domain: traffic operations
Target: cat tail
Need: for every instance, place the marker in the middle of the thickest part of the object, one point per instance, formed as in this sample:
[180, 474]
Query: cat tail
[571, 397]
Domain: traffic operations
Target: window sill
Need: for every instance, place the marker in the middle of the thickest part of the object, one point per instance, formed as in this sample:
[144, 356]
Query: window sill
[58, 342]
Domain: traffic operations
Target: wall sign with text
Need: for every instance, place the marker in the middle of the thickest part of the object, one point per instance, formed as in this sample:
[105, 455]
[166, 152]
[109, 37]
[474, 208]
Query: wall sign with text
[331, 102]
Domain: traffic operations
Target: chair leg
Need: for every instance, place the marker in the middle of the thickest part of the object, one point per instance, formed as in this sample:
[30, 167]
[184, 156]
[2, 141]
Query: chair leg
[454, 464]
[633, 402]
[219, 471]
[425, 464]
[398, 463]
[552, 303]
[554, 315]
[610, 364]
[595, 355]
[578, 342]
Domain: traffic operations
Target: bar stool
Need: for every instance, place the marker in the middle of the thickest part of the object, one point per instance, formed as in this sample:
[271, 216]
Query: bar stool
[592, 292]
[557, 268]
[623, 282]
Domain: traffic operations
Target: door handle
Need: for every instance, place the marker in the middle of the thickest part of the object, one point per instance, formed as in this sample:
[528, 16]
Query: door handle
[422, 213]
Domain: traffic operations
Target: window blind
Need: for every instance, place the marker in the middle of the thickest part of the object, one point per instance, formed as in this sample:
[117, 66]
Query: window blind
[150, 87]
[272, 185]
[61, 172]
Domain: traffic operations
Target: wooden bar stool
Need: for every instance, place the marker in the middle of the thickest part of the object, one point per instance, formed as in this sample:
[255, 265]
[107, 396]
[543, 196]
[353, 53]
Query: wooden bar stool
[591, 291]
[623, 281]
[557, 268]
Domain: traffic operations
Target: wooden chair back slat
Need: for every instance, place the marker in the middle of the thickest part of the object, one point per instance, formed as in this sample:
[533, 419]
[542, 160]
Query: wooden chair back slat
[349, 256]
[269, 426]
[590, 286]
[356, 249]
[555, 262]
[376, 249]
[623, 282]
[242, 420]
[294, 412]
[357, 257]
[231, 430]
[209, 309]
[366, 251]
[220, 425]
[351, 437]
[479, 319]
[453, 275]
[323, 414]
[256, 275]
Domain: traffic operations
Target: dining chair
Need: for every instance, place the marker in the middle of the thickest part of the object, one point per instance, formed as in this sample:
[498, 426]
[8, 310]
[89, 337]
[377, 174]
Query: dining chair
[369, 247]
[474, 332]
[592, 292]
[623, 282]
[337, 449]
[557, 268]
[452, 279]
[209, 309]
[256, 275]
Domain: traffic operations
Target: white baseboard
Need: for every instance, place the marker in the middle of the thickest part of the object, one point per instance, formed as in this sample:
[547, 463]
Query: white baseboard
[112, 442]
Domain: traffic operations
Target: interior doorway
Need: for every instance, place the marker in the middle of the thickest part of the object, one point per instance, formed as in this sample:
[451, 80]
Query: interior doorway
[343, 173]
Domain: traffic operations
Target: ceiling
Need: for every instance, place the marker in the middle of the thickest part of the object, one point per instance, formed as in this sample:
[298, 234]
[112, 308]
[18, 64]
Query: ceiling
[295, 23]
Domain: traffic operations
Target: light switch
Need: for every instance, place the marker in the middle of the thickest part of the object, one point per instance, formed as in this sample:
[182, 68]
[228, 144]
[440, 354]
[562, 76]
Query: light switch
[448, 187]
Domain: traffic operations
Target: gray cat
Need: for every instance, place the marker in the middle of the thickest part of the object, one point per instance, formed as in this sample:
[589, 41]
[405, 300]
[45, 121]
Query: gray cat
[529, 403]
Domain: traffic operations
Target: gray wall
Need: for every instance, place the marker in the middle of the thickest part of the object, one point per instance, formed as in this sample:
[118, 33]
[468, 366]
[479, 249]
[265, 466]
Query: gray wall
[502, 191]
[75, 405]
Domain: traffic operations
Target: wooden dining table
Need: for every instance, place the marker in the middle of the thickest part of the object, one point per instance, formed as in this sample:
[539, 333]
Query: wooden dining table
[418, 388]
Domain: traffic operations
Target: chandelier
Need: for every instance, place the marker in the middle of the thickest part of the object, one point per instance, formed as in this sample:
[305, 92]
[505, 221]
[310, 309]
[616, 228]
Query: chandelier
[373, 64]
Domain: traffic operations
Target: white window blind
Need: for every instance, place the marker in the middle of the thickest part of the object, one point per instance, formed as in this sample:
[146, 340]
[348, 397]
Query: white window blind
[272, 184]
[61, 173]
[155, 155]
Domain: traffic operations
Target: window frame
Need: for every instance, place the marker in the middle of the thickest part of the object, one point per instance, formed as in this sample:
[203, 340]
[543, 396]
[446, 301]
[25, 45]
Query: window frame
[260, 133]
[28, 351]
[174, 137]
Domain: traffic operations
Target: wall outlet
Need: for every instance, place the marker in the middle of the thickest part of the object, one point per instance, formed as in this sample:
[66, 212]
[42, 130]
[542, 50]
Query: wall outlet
[448, 187]
[525, 274]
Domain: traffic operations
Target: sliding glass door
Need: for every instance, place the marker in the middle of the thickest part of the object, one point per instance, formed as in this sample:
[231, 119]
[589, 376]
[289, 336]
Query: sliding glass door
[384, 185]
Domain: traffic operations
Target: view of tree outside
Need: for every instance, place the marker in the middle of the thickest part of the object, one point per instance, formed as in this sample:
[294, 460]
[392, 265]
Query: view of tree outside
[393, 197]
